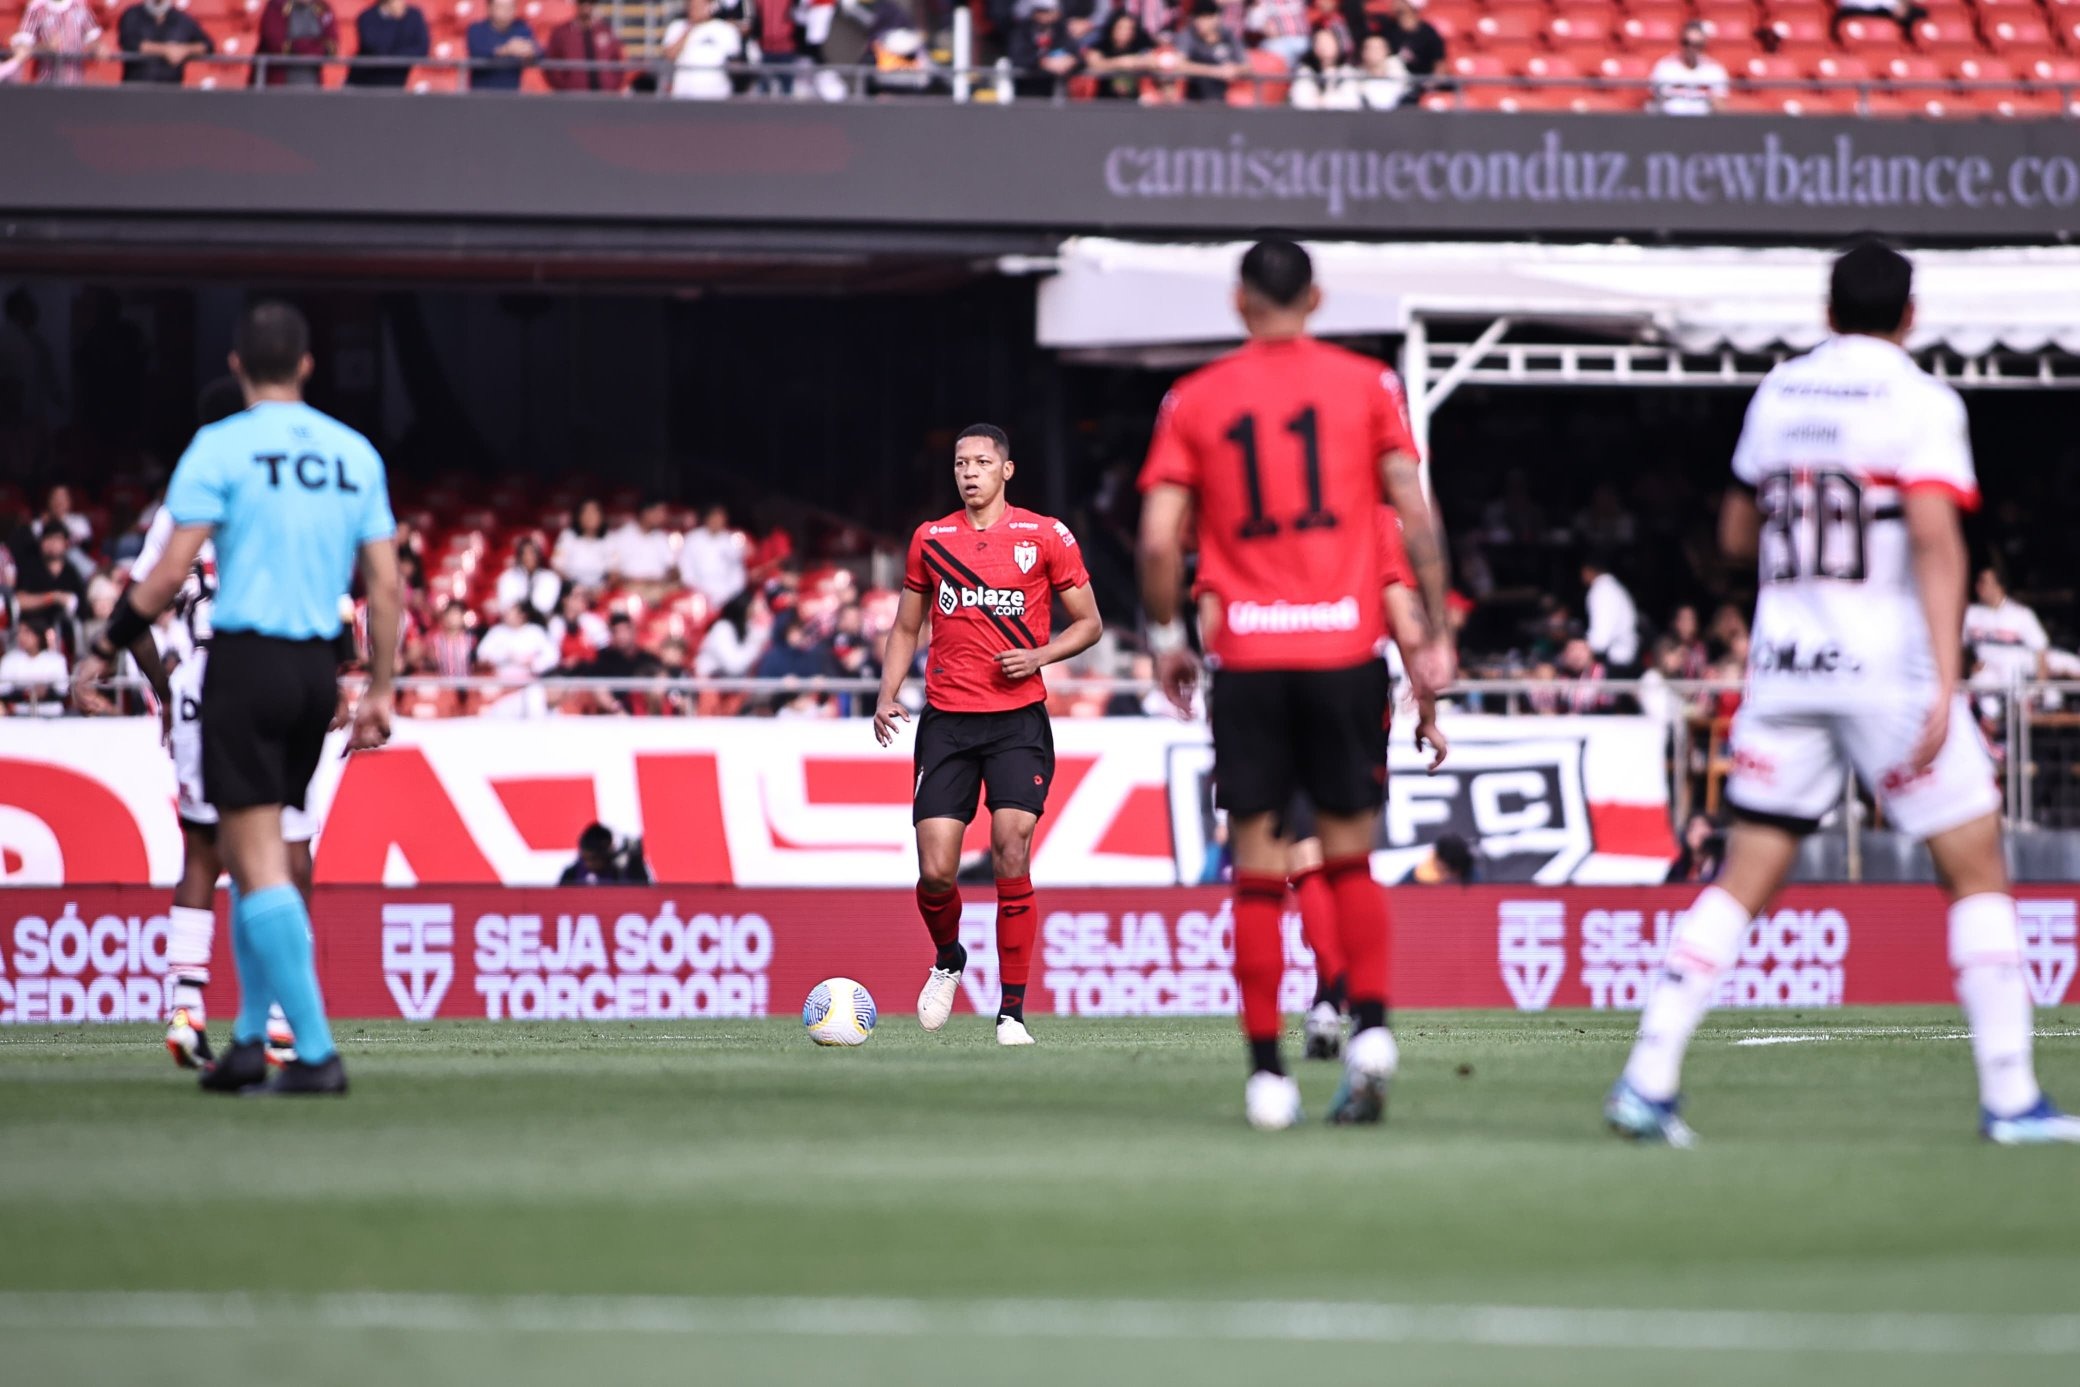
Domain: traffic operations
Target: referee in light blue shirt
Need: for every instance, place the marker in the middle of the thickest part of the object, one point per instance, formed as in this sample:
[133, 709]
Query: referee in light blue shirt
[293, 498]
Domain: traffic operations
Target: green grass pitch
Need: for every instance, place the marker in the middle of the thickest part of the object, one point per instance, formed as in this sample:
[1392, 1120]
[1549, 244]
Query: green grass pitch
[723, 1202]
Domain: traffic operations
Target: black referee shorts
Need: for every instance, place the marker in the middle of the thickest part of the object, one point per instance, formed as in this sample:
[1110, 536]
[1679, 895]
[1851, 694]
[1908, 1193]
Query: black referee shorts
[1321, 733]
[266, 703]
[959, 754]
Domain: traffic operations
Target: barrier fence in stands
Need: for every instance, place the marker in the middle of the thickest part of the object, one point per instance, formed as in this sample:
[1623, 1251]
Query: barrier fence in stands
[1904, 89]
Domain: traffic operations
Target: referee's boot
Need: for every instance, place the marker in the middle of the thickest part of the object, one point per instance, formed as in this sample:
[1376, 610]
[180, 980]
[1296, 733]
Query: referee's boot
[239, 1068]
[296, 1079]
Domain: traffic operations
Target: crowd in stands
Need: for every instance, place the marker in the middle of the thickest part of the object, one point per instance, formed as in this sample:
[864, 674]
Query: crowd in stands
[1679, 57]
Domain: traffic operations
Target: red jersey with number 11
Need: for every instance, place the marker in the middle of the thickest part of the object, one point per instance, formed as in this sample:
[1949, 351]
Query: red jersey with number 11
[988, 591]
[1280, 443]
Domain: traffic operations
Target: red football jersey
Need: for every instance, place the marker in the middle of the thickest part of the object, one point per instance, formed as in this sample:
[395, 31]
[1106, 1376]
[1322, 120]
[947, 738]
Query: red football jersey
[988, 591]
[1280, 442]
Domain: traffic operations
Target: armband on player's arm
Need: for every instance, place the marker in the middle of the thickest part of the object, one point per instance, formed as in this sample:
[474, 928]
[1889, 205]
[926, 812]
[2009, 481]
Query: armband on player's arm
[1167, 638]
[125, 625]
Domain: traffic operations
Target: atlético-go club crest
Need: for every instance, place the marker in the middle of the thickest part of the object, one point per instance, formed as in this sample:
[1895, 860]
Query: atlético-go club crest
[1025, 556]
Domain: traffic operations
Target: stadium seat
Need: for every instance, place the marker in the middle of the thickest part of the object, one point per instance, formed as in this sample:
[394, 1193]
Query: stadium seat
[1872, 37]
[1728, 17]
[2056, 70]
[1512, 31]
[1582, 33]
[1552, 67]
[2024, 103]
[1922, 73]
[1628, 69]
[2025, 36]
[1654, 34]
[1263, 65]
[1606, 102]
[1745, 103]
[1658, 9]
[1995, 9]
[1977, 67]
[1478, 65]
[1534, 10]
[1801, 35]
[1843, 67]
[1800, 9]
[1947, 36]
[1834, 102]
[2069, 30]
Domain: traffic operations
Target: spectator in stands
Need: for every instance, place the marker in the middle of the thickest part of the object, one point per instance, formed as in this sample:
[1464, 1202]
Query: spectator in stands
[1122, 56]
[1325, 79]
[1450, 863]
[517, 649]
[33, 674]
[451, 651]
[1043, 52]
[622, 658]
[1579, 664]
[500, 45]
[1348, 20]
[295, 29]
[1688, 82]
[586, 37]
[1613, 618]
[578, 631]
[700, 47]
[48, 589]
[585, 551]
[736, 640]
[602, 862]
[645, 556]
[711, 558]
[389, 29]
[158, 40]
[1213, 55]
[1283, 27]
[1683, 630]
[1416, 42]
[800, 653]
[529, 583]
[1702, 852]
[2006, 635]
[1904, 13]
[778, 44]
[57, 510]
[66, 28]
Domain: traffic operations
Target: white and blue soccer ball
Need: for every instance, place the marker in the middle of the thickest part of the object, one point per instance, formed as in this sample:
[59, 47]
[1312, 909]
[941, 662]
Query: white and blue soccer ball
[839, 1012]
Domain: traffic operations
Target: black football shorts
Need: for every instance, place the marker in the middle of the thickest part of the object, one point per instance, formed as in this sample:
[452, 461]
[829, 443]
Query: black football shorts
[959, 755]
[1321, 733]
[266, 704]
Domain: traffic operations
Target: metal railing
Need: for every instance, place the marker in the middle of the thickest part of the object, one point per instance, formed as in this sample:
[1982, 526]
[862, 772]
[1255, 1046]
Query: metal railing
[801, 80]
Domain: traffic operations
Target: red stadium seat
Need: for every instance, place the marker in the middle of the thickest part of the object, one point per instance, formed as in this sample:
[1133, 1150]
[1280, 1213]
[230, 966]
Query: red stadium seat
[1478, 65]
[1874, 37]
[2069, 30]
[1835, 102]
[1775, 67]
[1842, 67]
[1916, 69]
[1534, 10]
[1606, 102]
[1629, 68]
[1552, 67]
[1658, 9]
[2024, 103]
[1582, 33]
[1947, 36]
[1977, 67]
[1725, 17]
[2025, 36]
[1801, 35]
[2056, 70]
[1509, 30]
[1800, 9]
[1656, 34]
[1995, 9]
[1740, 103]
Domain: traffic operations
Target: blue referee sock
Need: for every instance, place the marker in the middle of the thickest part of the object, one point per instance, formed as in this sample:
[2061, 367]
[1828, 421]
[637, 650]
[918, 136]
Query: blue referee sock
[278, 932]
[254, 995]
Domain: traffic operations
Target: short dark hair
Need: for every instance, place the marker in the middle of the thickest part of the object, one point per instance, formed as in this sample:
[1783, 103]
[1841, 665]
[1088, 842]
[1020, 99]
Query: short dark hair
[596, 838]
[994, 434]
[1869, 287]
[271, 340]
[1278, 271]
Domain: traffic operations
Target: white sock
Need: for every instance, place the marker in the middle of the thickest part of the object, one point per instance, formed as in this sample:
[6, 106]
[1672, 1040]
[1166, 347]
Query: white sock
[1986, 952]
[1706, 943]
[192, 935]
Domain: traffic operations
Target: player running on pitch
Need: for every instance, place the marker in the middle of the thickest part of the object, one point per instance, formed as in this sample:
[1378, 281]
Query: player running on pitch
[1324, 1024]
[989, 574]
[1851, 469]
[1285, 448]
[291, 499]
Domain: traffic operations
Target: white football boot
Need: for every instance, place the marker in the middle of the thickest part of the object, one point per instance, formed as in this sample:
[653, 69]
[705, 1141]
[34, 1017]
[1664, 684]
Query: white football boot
[935, 1003]
[1012, 1031]
[1324, 1031]
[1272, 1101]
[1369, 1065]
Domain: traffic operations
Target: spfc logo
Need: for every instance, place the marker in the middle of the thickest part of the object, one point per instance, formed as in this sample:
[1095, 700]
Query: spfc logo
[2050, 952]
[418, 957]
[1531, 947]
[949, 600]
[1025, 555]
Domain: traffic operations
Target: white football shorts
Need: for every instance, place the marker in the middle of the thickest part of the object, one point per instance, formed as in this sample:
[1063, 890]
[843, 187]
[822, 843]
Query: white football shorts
[1790, 764]
[185, 683]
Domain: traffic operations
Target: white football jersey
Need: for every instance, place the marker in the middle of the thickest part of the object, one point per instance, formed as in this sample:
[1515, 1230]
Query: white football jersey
[1833, 442]
[194, 600]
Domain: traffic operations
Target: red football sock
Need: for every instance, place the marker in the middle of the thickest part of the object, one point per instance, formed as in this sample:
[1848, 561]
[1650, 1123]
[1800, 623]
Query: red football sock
[1361, 914]
[942, 914]
[1259, 952]
[1017, 922]
[1318, 925]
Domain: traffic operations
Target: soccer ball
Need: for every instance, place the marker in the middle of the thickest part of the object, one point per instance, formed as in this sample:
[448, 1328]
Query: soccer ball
[838, 1012]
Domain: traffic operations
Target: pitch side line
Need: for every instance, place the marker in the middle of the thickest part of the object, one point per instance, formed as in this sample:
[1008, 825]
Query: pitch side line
[1473, 1326]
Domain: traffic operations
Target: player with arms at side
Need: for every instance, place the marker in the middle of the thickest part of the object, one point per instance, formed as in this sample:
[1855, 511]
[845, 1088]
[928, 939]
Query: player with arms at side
[192, 936]
[1286, 449]
[291, 499]
[1324, 1026]
[989, 575]
[1851, 469]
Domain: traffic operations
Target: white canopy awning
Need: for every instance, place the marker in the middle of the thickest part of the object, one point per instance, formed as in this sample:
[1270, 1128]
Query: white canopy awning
[1112, 294]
